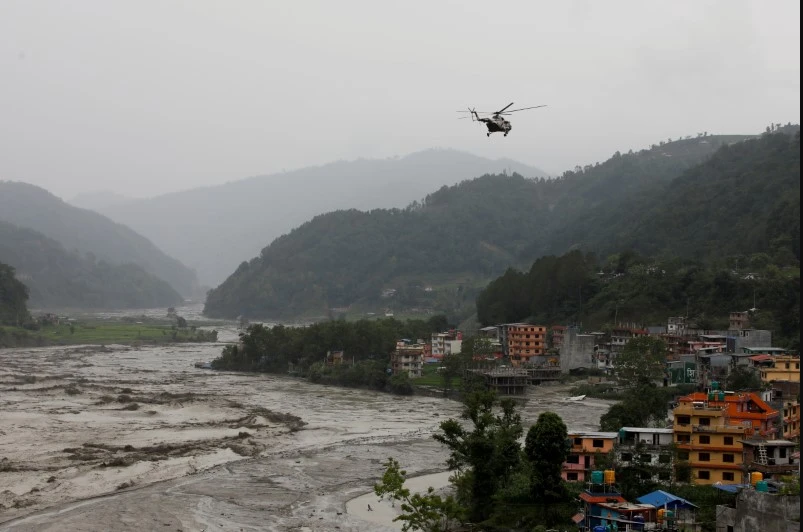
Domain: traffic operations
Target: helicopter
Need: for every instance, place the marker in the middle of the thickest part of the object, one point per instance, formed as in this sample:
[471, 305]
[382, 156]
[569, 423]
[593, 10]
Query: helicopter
[497, 122]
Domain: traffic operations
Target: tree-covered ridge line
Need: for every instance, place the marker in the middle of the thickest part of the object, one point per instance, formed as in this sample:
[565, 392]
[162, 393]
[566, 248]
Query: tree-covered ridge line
[581, 289]
[459, 238]
[28, 206]
[57, 278]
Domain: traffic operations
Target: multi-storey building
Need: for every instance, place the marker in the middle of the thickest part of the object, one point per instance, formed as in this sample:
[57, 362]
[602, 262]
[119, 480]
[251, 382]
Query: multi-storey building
[524, 341]
[676, 325]
[408, 358]
[771, 458]
[790, 418]
[558, 332]
[584, 448]
[439, 341]
[743, 408]
[709, 442]
[621, 334]
[781, 368]
[647, 446]
[739, 320]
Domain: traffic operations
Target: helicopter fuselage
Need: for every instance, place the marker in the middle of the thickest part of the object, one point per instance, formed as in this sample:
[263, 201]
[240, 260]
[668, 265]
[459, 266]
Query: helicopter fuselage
[496, 125]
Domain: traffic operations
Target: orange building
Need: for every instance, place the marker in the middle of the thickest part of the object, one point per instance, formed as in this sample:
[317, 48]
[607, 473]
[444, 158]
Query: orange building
[584, 447]
[743, 408]
[524, 341]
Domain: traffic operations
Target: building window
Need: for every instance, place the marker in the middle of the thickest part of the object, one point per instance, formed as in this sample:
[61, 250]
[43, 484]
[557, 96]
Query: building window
[727, 458]
[705, 457]
[684, 420]
[664, 459]
[684, 438]
[578, 441]
[599, 444]
[646, 458]
[573, 459]
[727, 476]
[706, 421]
[683, 455]
[571, 476]
[705, 440]
[704, 475]
[728, 440]
[626, 457]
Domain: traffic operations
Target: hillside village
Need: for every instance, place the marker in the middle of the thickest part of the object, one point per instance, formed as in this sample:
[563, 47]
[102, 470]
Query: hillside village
[734, 440]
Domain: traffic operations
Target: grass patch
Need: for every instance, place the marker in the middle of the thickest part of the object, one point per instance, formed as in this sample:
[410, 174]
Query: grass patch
[103, 333]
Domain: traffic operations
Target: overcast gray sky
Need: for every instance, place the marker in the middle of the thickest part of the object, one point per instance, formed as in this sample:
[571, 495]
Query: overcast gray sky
[146, 97]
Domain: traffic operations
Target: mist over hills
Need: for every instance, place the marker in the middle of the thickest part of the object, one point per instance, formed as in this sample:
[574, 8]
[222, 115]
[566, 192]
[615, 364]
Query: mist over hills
[213, 229]
[99, 199]
[438, 254]
[28, 206]
[57, 278]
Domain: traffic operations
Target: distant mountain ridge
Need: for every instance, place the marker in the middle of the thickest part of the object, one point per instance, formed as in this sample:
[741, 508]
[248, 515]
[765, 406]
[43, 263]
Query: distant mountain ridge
[213, 229]
[57, 278]
[438, 254]
[102, 199]
[29, 206]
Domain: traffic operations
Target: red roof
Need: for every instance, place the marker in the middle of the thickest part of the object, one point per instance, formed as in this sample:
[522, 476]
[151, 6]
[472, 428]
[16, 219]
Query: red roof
[761, 358]
[578, 518]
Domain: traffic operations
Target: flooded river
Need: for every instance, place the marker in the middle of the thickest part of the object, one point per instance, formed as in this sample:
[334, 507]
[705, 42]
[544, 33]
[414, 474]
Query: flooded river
[137, 438]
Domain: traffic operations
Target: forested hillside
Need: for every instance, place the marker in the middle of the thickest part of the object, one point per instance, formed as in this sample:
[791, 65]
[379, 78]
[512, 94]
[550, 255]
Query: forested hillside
[241, 217]
[57, 278]
[32, 207]
[745, 199]
[439, 253]
[628, 288]
[13, 298]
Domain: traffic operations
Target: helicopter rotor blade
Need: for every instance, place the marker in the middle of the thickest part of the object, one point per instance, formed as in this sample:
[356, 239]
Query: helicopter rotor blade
[500, 111]
[522, 109]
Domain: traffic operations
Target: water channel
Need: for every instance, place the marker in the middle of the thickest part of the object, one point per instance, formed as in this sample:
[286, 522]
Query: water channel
[137, 438]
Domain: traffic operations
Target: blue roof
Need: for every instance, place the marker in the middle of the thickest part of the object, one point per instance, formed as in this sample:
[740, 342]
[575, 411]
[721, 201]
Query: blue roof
[661, 498]
[731, 488]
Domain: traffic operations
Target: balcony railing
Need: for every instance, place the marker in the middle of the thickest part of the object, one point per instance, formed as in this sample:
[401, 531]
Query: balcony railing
[773, 468]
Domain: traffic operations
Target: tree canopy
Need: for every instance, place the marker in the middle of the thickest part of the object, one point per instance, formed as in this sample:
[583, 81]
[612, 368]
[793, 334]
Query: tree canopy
[13, 298]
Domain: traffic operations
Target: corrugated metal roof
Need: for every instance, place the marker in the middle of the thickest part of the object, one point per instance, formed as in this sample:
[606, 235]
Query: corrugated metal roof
[661, 498]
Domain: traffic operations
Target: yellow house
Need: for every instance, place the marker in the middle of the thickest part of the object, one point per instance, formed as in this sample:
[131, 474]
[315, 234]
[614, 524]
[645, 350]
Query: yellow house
[782, 368]
[709, 443]
[791, 420]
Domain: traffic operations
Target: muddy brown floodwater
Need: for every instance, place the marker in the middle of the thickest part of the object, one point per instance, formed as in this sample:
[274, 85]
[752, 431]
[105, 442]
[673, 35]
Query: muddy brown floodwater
[125, 438]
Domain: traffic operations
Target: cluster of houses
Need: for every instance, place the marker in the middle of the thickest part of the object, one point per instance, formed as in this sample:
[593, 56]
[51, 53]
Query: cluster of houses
[730, 439]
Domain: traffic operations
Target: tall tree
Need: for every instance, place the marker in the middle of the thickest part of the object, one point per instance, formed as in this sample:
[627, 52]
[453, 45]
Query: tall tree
[486, 454]
[642, 361]
[426, 512]
[13, 297]
[547, 448]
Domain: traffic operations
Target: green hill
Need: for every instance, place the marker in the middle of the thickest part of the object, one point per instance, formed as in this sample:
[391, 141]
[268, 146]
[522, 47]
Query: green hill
[32, 207]
[438, 254]
[57, 278]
